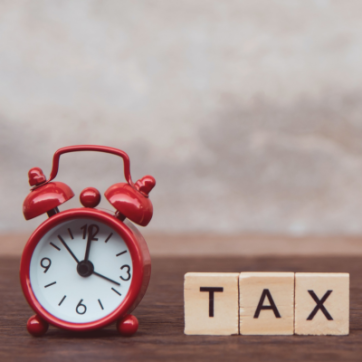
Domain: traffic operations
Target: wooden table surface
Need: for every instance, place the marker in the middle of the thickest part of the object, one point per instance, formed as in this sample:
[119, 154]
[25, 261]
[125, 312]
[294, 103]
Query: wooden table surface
[160, 336]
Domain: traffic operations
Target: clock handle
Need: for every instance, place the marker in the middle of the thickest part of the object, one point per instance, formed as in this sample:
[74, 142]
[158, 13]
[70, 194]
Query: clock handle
[105, 149]
[131, 200]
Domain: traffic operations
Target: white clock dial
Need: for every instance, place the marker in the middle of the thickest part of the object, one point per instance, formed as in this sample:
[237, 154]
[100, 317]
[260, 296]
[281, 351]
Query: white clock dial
[75, 287]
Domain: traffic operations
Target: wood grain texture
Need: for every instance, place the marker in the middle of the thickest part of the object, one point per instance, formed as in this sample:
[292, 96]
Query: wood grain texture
[224, 289]
[215, 245]
[267, 290]
[161, 316]
[331, 290]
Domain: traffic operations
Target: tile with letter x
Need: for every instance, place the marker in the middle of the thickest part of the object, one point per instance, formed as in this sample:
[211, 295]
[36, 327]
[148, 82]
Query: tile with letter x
[322, 303]
[211, 303]
[266, 303]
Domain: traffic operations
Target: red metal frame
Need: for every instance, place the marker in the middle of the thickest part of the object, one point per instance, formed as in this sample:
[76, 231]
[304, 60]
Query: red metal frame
[140, 258]
[105, 149]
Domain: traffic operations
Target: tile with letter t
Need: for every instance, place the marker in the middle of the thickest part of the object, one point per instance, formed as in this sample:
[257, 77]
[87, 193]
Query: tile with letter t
[322, 303]
[211, 303]
[266, 303]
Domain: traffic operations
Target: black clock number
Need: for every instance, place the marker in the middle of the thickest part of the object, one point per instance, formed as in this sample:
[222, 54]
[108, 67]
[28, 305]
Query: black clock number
[45, 263]
[81, 308]
[128, 272]
[90, 230]
[84, 228]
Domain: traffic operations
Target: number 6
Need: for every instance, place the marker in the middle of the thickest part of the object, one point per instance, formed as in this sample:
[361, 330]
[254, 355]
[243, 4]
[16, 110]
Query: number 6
[81, 305]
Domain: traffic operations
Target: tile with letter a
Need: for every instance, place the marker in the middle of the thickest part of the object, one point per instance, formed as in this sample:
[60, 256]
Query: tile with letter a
[322, 303]
[266, 303]
[211, 303]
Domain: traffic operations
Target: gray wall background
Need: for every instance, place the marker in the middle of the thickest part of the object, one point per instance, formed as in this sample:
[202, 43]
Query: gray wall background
[248, 113]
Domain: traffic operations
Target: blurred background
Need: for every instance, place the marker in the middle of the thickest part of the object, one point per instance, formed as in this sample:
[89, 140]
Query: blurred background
[247, 113]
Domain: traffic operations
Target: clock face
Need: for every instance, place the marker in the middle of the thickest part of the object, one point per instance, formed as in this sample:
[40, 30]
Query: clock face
[81, 270]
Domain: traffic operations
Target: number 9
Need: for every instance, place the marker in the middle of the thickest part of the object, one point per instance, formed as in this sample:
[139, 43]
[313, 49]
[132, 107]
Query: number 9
[46, 267]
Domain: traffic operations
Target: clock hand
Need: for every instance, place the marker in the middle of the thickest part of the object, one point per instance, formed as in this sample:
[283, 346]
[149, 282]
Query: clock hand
[91, 237]
[102, 276]
[67, 247]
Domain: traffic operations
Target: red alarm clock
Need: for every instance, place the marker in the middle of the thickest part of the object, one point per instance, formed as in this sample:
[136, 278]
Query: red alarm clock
[85, 268]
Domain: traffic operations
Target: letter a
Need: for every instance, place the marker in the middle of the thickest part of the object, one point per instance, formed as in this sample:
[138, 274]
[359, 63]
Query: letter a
[272, 306]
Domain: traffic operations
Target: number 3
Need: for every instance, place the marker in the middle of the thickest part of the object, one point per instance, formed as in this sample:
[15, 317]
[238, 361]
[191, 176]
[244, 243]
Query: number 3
[128, 272]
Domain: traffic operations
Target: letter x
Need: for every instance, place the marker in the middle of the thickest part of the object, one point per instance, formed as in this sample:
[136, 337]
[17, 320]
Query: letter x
[319, 305]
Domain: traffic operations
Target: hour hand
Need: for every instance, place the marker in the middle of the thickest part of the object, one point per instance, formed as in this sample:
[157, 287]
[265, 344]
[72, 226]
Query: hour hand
[92, 232]
[67, 247]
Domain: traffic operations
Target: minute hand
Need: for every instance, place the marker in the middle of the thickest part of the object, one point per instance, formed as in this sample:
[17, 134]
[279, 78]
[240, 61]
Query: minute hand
[92, 232]
[67, 247]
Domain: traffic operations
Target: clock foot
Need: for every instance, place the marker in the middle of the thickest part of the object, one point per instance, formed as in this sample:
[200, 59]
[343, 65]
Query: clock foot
[128, 325]
[36, 326]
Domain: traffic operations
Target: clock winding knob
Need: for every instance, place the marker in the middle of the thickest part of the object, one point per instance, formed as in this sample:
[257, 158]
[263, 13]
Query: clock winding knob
[36, 176]
[90, 197]
[145, 185]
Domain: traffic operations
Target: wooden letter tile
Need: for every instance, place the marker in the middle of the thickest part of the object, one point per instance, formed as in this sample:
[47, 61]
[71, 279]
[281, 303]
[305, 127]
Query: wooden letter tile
[266, 303]
[211, 303]
[322, 303]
